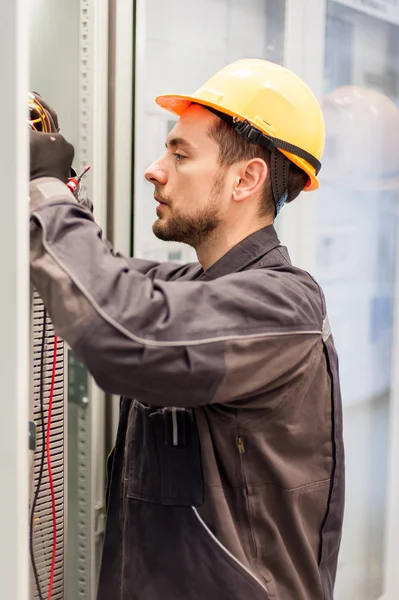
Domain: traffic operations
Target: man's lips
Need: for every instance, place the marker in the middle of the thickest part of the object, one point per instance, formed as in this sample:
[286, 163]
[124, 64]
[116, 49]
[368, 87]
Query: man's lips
[161, 204]
[160, 201]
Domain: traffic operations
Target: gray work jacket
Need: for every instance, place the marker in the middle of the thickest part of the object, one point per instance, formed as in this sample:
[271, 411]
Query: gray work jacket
[228, 471]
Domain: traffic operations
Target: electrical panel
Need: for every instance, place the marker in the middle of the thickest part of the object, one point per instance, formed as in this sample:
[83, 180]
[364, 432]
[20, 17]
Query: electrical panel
[47, 433]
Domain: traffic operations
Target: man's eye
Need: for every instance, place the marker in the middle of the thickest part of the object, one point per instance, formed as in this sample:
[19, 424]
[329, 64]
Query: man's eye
[179, 157]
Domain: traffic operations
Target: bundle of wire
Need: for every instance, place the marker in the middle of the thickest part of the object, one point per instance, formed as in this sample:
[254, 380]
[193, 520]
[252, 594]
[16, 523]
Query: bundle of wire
[39, 120]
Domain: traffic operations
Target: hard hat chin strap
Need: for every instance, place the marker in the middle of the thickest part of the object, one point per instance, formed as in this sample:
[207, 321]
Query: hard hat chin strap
[279, 163]
[279, 172]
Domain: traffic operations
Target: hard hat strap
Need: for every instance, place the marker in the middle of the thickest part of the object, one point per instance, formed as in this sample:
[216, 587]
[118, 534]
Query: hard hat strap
[256, 136]
[279, 171]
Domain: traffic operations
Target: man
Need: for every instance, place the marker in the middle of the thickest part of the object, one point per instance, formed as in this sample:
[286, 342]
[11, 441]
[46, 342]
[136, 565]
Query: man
[227, 478]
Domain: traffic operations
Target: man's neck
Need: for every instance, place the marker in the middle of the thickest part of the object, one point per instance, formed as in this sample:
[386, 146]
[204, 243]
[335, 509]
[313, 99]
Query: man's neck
[224, 239]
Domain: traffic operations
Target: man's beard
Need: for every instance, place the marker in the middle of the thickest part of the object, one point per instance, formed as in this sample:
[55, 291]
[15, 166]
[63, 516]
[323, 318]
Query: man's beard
[195, 229]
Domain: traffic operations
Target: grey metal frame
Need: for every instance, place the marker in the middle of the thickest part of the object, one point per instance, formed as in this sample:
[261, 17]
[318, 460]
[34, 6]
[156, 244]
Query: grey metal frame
[86, 401]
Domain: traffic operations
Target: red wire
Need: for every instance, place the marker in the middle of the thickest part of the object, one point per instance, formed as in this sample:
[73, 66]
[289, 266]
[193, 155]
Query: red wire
[50, 473]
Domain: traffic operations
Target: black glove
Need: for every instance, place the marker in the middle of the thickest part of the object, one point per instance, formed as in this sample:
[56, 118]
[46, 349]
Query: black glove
[50, 156]
[53, 117]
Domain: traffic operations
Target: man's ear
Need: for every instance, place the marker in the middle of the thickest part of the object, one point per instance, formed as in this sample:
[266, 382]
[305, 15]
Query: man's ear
[250, 179]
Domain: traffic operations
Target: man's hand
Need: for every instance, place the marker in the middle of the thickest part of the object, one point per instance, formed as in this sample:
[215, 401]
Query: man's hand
[50, 156]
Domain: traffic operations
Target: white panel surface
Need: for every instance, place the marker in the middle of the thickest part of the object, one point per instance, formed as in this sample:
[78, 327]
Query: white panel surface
[14, 303]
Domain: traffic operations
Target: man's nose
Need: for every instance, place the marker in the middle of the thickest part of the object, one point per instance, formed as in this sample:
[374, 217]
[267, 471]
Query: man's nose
[156, 173]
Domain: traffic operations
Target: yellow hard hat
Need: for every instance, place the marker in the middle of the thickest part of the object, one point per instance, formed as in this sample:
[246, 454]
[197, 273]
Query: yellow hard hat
[270, 105]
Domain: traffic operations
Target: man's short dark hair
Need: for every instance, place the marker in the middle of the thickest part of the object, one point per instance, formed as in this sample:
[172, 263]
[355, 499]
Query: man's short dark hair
[234, 148]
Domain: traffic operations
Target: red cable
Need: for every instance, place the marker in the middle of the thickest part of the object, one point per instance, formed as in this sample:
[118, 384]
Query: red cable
[50, 410]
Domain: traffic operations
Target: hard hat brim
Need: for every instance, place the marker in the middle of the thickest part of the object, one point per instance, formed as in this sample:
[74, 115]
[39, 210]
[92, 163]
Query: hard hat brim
[179, 103]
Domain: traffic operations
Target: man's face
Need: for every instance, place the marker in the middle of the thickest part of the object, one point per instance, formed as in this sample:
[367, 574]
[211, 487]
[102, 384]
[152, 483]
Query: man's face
[189, 182]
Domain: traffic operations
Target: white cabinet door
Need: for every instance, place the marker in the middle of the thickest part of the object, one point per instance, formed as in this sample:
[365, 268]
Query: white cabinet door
[14, 301]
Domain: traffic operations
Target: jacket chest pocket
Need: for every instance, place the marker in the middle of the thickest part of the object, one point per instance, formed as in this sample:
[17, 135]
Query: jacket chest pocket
[163, 456]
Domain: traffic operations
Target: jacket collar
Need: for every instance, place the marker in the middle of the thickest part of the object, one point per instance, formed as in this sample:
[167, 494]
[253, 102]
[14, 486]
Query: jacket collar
[246, 252]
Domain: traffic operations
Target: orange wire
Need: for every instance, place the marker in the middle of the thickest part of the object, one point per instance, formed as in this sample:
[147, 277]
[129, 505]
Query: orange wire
[43, 116]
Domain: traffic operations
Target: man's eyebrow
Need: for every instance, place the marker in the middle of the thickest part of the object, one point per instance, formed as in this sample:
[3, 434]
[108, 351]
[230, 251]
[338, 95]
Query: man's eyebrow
[178, 141]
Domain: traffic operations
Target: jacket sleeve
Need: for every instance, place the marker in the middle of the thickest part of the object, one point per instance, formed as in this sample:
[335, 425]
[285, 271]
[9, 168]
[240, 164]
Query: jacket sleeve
[166, 342]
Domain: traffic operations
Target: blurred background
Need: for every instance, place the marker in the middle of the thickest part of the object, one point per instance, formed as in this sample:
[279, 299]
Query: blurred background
[100, 64]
